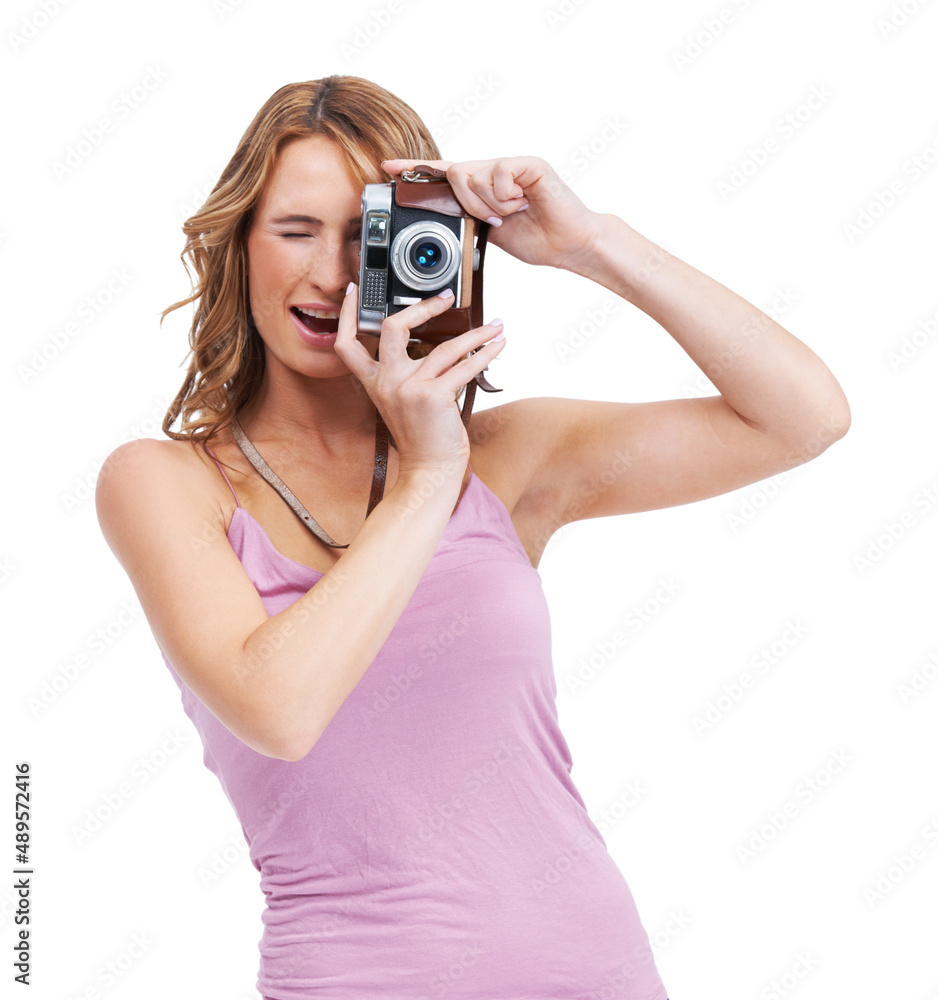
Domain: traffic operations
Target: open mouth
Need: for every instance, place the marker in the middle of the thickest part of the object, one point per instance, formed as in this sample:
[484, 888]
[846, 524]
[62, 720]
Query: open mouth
[317, 320]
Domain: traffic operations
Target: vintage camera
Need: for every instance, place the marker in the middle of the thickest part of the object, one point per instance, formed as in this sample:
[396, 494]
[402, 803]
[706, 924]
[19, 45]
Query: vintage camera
[417, 240]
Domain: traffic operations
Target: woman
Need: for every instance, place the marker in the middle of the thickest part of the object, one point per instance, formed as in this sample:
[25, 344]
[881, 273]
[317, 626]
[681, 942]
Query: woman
[382, 713]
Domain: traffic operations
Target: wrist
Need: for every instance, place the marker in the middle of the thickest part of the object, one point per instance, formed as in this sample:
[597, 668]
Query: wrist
[430, 476]
[620, 258]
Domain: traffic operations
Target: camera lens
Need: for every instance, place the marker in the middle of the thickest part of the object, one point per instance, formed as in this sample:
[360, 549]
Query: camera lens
[425, 255]
[428, 256]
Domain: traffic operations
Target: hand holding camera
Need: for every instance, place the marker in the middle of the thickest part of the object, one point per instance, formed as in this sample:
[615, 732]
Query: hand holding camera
[534, 215]
[416, 398]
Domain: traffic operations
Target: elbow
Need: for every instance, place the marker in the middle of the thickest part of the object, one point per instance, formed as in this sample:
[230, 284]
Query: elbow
[292, 752]
[827, 426]
[274, 738]
[282, 744]
[825, 418]
[838, 417]
[278, 748]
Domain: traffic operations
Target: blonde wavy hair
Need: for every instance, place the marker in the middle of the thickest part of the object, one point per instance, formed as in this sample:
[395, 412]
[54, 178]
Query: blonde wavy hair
[369, 125]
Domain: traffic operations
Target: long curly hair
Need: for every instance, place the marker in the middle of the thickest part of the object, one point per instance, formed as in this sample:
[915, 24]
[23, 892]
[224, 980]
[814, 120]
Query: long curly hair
[226, 365]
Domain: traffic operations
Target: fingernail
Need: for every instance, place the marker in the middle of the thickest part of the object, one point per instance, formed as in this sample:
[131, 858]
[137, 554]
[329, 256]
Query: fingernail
[524, 208]
[351, 285]
[494, 220]
[498, 336]
[496, 323]
[447, 293]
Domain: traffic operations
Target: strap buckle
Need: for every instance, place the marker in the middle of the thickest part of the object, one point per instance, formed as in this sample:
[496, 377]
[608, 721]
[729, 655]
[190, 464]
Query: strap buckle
[423, 174]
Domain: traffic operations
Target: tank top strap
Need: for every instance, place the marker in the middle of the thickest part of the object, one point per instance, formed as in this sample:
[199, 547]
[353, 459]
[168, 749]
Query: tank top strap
[222, 471]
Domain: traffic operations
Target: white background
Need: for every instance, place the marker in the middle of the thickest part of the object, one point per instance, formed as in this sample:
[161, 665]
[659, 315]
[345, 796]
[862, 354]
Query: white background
[506, 79]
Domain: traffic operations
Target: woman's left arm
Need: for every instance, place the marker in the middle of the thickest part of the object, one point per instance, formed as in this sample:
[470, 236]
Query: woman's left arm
[779, 404]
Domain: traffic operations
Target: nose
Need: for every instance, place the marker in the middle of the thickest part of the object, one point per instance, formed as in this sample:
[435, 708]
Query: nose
[333, 267]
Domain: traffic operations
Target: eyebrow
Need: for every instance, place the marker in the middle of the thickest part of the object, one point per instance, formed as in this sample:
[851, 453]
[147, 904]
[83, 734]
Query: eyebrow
[309, 220]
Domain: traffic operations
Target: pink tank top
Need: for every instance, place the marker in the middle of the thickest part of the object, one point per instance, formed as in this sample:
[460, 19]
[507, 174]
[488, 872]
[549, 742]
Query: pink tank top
[432, 843]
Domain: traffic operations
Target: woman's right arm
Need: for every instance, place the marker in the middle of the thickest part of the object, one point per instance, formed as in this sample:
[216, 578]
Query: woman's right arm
[276, 682]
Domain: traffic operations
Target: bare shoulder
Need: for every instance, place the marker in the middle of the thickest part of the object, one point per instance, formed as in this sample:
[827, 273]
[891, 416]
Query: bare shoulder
[143, 477]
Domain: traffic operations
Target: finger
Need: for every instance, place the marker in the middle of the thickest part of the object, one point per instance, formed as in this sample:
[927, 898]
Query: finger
[465, 370]
[395, 330]
[347, 345]
[469, 199]
[504, 186]
[448, 353]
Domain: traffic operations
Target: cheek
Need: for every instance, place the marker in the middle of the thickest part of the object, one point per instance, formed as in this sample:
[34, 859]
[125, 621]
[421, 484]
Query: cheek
[273, 271]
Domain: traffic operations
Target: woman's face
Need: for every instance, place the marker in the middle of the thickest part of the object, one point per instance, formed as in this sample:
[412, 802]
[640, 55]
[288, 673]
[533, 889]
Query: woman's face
[303, 250]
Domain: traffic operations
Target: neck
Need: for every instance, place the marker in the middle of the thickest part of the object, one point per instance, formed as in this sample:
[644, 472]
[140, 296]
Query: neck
[325, 415]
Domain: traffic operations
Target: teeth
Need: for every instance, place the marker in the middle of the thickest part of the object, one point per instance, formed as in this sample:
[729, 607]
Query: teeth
[317, 313]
